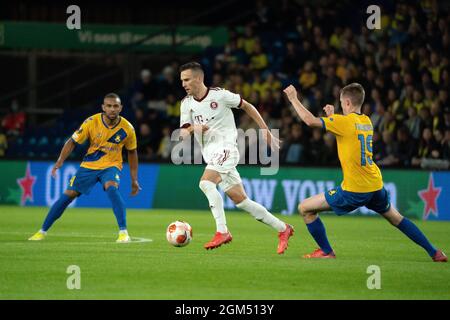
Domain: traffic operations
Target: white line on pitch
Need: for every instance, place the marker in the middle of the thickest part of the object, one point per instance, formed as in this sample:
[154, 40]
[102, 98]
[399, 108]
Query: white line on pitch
[80, 235]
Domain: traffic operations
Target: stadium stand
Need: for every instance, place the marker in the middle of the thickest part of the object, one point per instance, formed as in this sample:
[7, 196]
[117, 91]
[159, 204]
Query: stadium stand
[404, 68]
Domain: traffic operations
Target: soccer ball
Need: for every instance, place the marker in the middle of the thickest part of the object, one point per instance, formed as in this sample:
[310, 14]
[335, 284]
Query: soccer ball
[179, 233]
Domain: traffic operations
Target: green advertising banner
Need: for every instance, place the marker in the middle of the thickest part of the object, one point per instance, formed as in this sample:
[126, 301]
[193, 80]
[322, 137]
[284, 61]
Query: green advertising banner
[34, 35]
[417, 194]
[282, 192]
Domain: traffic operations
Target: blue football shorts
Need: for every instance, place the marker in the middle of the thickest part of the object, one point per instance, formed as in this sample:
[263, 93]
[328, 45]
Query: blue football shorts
[343, 202]
[85, 179]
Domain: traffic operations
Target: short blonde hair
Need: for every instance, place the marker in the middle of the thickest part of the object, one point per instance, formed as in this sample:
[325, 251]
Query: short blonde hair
[355, 92]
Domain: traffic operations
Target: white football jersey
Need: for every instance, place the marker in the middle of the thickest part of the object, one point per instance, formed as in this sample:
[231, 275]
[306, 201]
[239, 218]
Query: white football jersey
[213, 110]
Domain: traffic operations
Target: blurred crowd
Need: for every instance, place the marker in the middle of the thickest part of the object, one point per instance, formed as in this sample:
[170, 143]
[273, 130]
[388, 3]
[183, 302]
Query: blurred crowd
[404, 68]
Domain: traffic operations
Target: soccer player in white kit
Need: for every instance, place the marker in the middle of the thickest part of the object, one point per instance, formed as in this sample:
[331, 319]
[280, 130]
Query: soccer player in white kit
[207, 113]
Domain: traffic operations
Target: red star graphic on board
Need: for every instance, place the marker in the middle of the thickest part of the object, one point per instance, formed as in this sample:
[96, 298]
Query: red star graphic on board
[430, 196]
[26, 184]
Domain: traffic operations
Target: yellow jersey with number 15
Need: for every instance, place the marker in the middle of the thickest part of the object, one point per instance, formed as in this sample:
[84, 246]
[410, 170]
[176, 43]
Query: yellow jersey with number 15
[105, 143]
[354, 134]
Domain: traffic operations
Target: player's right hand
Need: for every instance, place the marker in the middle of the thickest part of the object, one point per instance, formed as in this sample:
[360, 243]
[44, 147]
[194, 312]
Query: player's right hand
[200, 128]
[135, 188]
[55, 167]
[329, 110]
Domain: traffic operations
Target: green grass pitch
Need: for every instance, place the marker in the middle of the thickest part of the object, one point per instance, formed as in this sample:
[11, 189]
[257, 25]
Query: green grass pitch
[248, 268]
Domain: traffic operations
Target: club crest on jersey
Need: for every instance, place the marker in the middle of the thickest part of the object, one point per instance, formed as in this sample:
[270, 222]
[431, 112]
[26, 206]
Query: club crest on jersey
[214, 105]
[118, 137]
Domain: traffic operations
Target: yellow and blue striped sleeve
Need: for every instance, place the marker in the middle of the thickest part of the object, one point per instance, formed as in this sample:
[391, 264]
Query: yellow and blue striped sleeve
[82, 134]
[337, 124]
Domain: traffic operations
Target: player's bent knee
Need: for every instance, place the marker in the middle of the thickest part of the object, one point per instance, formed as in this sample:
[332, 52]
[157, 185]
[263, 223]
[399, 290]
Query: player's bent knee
[111, 183]
[302, 209]
[206, 185]
[72, 194]
[237, 198]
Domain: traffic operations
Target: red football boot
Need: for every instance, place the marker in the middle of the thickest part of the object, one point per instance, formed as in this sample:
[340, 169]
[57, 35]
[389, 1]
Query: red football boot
[318, 253]
[440, 257]
[283, 237]
[218, 240]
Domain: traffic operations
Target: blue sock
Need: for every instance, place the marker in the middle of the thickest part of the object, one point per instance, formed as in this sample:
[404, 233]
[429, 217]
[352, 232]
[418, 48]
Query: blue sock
[317, 230]
[56, 211]
[118, 206]
[414, 233]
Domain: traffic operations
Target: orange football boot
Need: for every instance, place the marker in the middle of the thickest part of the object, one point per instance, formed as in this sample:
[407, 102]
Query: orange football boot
[283, 237]
[318, 253]
[218, 240]
[440, 257]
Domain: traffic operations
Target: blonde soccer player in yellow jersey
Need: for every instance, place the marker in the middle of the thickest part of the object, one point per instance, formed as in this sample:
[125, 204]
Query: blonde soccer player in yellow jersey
[108, 133]
[362, 184]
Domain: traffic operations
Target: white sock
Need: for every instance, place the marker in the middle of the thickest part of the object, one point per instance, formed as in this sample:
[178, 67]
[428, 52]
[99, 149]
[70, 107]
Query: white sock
[42, 231]
[261, 214]
[123, 231]
[215, 203]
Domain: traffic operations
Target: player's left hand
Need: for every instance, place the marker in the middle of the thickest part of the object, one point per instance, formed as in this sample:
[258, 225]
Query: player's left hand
[291, 92]
[271, 140]
[135, 188]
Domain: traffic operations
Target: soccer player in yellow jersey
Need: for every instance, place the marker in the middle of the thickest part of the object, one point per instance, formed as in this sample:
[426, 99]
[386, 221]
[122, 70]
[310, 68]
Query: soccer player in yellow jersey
[107, 134]
[362, 184]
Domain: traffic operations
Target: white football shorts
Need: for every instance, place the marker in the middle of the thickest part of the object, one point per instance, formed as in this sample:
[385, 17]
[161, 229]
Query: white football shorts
[224, 161]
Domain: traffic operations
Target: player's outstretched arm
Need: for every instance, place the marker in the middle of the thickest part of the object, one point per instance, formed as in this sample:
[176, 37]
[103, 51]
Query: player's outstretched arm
[256, 116]
[133, 162]
[186, 131]
[65, 152]
[304, 114]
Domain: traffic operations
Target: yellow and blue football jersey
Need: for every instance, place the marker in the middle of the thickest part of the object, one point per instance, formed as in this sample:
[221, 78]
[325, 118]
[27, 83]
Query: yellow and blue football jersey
[354, 134]
[105, 143]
